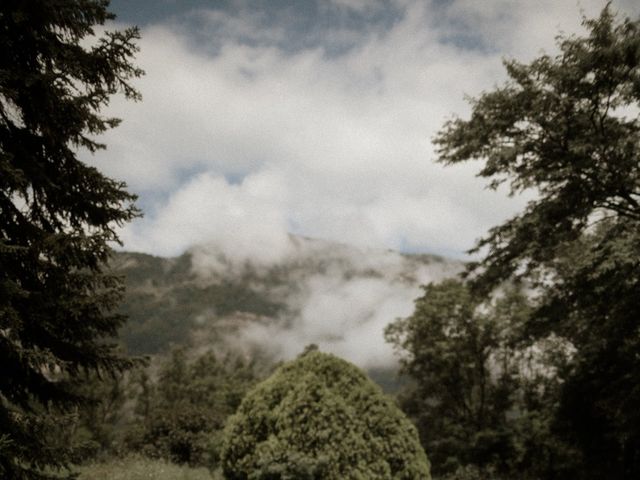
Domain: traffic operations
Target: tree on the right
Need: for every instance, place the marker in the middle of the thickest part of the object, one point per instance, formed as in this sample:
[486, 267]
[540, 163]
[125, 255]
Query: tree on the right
[568, 128]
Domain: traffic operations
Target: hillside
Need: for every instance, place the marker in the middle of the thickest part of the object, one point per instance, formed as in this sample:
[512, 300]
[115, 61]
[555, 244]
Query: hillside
[335, 295]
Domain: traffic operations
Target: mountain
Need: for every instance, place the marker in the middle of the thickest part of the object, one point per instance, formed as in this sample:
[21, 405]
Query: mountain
[337, 296]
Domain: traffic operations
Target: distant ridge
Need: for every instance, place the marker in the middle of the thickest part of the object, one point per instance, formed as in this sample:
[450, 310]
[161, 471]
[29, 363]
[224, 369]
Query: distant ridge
[333, 294]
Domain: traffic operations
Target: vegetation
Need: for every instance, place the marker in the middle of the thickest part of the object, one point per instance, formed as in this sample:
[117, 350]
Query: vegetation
[504, 384]
[173, 410]
[99, 425]
[137, 468]
[180, 417]
[319, 417]
[480, 399]
[164, 299]
[57, 220]
[567, 127]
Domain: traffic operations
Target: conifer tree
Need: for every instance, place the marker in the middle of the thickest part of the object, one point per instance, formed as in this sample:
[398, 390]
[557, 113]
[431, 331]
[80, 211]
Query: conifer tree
[57, 219]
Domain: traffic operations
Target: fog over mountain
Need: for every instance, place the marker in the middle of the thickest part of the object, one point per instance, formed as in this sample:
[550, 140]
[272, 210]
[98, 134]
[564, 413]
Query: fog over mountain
[310, 291]
[313, 118]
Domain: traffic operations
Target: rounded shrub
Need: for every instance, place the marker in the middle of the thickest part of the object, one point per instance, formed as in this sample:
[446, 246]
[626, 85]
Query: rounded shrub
[320, 417]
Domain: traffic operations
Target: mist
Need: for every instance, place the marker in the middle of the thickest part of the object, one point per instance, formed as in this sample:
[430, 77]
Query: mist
[337, 296]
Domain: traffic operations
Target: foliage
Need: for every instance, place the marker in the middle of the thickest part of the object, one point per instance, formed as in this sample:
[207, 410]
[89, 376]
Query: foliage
[164, 298]
[172, 300]
[181, 416]
[100, 423]
[319, 417]
[135, 468]
[57, 219]
[478, 397]
[471, 472]
[567, 127]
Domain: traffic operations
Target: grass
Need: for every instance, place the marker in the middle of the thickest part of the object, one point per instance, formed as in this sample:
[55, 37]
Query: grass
[138, 468]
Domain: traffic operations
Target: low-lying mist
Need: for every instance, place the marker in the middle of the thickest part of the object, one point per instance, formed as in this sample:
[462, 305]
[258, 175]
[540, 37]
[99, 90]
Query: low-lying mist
[337, 296]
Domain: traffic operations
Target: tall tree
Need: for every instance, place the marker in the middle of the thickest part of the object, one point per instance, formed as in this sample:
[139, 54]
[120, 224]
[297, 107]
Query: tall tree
[479, 397]
[57, 218]
[567, 126]
[181, 416]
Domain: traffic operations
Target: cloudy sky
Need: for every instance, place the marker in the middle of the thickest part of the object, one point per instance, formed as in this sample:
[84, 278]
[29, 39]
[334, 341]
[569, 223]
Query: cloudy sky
[315, 117]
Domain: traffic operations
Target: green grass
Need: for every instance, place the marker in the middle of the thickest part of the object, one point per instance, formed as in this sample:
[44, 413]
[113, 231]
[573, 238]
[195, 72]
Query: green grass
[137, 468]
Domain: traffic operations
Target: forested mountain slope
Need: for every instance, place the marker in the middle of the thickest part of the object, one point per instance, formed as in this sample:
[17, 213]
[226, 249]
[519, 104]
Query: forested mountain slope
[336, 295]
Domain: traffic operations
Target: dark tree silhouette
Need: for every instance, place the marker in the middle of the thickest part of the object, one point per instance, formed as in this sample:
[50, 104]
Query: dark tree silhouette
[568, 127]
[57, 219]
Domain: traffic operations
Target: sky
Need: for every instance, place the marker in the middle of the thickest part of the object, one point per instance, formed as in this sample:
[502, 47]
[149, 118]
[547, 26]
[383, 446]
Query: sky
[261, 119]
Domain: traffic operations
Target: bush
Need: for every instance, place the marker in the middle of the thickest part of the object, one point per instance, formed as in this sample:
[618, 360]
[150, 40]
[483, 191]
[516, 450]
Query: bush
[319, 417]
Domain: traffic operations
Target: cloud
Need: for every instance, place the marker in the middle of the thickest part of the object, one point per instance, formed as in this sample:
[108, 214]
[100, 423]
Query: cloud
[344, 317]
[523, 29]
[256, 124]
[342, 138]
[337, 296]
[245, 220]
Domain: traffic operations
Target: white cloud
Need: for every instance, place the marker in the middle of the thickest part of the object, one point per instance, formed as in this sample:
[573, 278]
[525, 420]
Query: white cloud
[239, 141]
[522, 29]
[246, 220]
[340, 142]
[343, 304]
[357, 5]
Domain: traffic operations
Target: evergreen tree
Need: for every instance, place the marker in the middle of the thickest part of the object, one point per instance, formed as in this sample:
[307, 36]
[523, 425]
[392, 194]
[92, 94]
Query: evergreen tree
[57, 219]
[567, 126]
